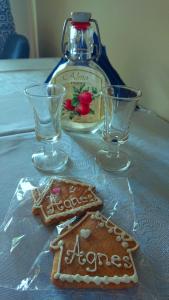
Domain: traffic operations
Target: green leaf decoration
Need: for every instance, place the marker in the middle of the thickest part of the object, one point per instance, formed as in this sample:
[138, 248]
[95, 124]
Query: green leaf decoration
[71, 115]
[75, 94]
[92, 111]
[76, 90]
[86, 89]
[75, 101]
[94, 90]
[82, 87]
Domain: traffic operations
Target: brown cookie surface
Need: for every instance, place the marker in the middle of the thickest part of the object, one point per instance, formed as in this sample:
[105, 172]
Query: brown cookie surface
[94, 253]
[62, 199]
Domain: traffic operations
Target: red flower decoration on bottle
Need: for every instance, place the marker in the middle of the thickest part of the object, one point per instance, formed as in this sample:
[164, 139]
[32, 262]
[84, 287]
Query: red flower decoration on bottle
[68, 104]
[81, 101]
[85, 98]
[82, 109]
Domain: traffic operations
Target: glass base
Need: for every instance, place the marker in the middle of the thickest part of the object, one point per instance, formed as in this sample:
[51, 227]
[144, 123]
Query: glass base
[88, 127]
[52, 162]
[112, 161]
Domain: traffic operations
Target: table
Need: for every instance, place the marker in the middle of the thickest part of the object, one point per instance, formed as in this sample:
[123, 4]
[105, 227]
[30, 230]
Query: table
[148, 177]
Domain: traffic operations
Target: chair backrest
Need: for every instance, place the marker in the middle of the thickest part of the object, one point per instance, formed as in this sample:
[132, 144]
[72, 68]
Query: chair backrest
[16, 46]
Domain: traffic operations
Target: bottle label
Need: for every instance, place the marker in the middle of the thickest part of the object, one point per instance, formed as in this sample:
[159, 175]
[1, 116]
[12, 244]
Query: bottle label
[83, 102]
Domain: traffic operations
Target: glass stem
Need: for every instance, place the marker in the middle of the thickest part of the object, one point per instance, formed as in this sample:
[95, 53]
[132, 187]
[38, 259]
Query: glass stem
[114, 147]
[49, 148]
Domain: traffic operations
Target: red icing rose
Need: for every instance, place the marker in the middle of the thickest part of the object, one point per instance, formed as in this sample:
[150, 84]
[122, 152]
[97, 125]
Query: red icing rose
[56, 190]
[85, 98]
[83, 109]
[68, 104]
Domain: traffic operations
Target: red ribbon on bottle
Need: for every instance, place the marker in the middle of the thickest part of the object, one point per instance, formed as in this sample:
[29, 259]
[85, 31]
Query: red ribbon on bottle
[81, 25]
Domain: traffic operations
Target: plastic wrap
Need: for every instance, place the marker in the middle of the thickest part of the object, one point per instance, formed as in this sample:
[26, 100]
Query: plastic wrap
[25, 258]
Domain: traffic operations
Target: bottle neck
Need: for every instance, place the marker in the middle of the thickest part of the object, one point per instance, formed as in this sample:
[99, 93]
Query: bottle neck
[80, 44]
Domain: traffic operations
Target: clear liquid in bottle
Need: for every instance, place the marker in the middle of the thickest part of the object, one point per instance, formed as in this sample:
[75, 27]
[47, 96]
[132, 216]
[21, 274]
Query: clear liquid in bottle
[81, 76]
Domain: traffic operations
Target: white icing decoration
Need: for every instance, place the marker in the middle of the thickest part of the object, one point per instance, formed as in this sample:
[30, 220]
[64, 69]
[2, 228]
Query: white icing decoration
[97, 214]
[53, 198]
[94, 259]
[124, 244]
[37, 200]
[127, 262]
[86, 198]
[57, 275]
[73, 189]
[103, 255]
[92, 217]
[117, 231]
[60, 243]
[91, 261]
[121, 235]
[75, 252]
[85, 233]
[106, 279]
[59, 206]
[61, 212]
[67, 203]
[41, 195]
[116, 261]
[97, 279]
[51, 208]
[101, 225]
[74, 201]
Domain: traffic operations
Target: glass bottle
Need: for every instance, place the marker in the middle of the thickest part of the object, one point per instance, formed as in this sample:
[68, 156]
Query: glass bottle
[82, 77]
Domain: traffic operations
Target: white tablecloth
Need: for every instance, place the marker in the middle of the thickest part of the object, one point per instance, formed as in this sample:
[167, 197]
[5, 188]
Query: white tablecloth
[148, 176]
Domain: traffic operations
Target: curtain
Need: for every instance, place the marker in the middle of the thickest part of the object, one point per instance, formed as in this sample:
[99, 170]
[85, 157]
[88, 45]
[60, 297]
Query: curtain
[7, 25]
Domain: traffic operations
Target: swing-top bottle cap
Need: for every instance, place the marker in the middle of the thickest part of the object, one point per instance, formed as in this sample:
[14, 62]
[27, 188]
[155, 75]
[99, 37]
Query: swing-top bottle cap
[81, 17]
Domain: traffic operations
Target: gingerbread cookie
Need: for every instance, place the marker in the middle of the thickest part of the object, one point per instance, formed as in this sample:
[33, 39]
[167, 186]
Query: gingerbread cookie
[63, 199]
[94, 253]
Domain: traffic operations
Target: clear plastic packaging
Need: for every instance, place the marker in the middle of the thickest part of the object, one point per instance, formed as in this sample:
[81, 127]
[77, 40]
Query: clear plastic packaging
[25, 258]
